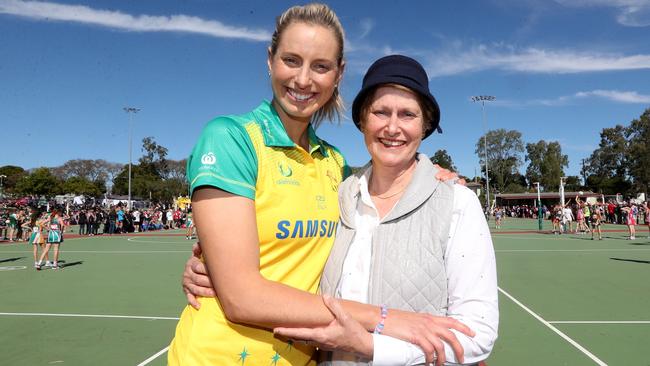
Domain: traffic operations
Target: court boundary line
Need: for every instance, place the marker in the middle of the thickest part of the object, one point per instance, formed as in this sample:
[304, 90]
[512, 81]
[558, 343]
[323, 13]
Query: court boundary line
[554, 329]
[138, 240]
[99, 316]
[153, 357]
[600, 322]
[572, 237]
[145, 362]
[573, 250]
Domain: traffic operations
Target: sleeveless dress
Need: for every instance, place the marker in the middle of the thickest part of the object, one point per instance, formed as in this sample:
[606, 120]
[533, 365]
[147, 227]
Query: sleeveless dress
[54, 236]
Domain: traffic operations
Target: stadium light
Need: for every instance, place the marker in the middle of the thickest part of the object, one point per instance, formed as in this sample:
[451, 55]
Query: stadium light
[130, 111]
[483, 99]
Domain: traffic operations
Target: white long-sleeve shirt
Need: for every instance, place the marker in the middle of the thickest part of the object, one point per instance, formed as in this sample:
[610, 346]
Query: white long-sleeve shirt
[471, 280]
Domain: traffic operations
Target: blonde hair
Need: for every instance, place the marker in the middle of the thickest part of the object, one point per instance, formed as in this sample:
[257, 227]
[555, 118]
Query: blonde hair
[316, 14]
[425, 106]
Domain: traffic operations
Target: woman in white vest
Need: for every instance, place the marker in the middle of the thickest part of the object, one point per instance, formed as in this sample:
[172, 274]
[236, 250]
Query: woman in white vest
[405, 240]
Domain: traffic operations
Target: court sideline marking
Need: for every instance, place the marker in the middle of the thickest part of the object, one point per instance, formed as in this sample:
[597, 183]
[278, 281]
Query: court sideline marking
[153, 357]
[138, 240]
[546, 323]
[600, 322]
[554, 329]
[145, 362]
[573, 250]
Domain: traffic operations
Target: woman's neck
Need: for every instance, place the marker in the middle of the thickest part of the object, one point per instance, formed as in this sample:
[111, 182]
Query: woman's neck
[387, 182]
[296, 128]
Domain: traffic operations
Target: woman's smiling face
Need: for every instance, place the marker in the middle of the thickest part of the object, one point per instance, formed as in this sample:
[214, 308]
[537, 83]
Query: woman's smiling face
[393, 127]
[304, 70]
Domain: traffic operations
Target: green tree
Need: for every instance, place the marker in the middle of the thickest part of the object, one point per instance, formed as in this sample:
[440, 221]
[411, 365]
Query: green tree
[546, 164]
[607, 167]
[442, 158]
[638, 134]
[154, 176]
[504, 149]
[176, 169]
[572, 184]
[12, 175]
[82, 168]
[40, 182]
[154, 159]
[517, 184]
[175, 180]
[83, 186]
[143, 181]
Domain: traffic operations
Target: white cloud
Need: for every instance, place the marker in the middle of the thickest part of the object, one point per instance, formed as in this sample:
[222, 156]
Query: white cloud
[617, 96]
[632, 13]
[454, 58]
[142, 23]
[529, 60]
[366, 26]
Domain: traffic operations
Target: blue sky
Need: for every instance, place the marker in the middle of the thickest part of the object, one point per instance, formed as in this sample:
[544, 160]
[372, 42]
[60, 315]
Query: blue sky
[561, 71]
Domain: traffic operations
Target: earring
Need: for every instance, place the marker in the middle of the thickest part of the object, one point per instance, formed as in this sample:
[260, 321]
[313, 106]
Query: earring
[269, 72]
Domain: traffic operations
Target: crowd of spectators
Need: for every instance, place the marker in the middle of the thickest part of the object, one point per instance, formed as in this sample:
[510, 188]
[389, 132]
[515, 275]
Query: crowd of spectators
[581, 217]
[91, 220]
[613, 212]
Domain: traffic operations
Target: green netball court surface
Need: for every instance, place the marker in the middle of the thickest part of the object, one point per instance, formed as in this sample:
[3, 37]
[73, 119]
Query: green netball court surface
[564, 300]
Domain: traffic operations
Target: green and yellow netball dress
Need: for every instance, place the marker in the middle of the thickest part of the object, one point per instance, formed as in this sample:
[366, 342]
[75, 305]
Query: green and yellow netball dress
[54, 235]
[35, 236]
[296, 203]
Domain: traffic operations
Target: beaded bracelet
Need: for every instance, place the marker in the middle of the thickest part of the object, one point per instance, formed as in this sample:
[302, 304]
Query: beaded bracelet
[384, 314]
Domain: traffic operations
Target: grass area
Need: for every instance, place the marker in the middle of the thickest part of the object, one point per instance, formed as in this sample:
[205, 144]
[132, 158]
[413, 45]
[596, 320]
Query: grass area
[564, 299]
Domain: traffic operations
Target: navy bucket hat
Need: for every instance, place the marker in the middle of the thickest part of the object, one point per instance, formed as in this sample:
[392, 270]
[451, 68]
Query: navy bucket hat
[401, 70]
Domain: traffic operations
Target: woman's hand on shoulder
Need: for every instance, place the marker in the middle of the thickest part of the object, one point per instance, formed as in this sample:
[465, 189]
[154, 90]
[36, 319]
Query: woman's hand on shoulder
[427, 332]
[195, 278]
[446, 174]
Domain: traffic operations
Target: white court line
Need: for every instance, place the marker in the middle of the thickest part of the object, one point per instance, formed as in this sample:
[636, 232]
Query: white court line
[148, 360]
[574, 250]
[153, 357]
[516, 237]
[93, 316]
[600, 322]
[575, 238]
[138, 240]
[557, 331]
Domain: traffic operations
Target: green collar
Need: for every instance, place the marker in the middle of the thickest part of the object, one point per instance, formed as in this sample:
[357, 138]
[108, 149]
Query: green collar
[275, 134]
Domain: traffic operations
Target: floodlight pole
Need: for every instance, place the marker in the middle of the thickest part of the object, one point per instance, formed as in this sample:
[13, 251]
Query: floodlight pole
[130, 111]
[483, 99]
[539, 207]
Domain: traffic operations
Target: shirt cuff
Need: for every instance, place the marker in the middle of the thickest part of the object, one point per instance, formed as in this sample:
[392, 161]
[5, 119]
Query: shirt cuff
[389, 351]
